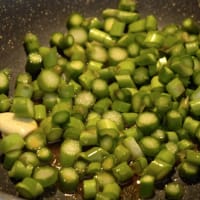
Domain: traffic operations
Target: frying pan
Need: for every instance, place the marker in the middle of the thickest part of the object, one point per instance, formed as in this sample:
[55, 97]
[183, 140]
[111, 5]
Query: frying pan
[43, 17]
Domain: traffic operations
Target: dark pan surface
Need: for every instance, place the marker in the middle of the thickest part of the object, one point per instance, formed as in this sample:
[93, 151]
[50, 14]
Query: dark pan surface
[43, 17]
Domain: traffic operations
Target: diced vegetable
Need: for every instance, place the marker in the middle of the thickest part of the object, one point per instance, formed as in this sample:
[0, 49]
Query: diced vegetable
[29, 188]
[11, 142]
[69, 179]
[46, 175]
[122, 172]
[89, 188]
[20, 171]
[146, 186]
[48, 80]
[69, 152]
[173, 190]
[115, 99]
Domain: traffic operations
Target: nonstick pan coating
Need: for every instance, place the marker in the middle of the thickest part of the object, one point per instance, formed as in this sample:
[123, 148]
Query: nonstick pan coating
[43, 17]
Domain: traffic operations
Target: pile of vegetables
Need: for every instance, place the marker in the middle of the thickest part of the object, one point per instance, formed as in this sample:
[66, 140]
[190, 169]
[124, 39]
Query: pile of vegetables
[119, 96]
